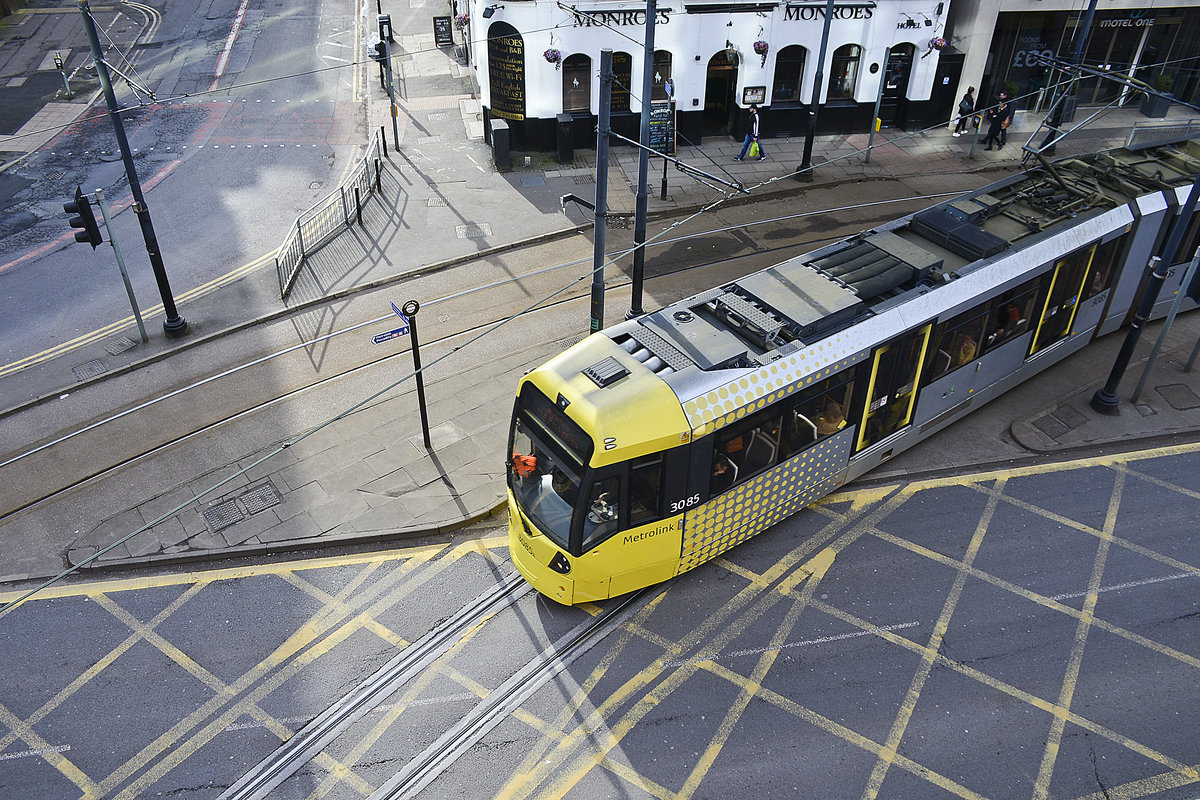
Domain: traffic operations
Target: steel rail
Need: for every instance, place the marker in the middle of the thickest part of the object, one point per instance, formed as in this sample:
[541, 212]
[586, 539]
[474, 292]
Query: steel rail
[504, 700]
[325, 728]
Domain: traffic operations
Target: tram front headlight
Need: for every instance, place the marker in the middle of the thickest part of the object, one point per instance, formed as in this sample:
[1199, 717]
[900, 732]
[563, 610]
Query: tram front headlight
[560, 564]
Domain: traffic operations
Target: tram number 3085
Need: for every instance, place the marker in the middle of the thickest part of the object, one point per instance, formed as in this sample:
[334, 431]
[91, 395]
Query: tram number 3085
[680, 505]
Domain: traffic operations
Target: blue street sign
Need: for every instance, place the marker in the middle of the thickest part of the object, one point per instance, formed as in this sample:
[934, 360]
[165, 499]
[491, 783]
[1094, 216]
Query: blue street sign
[399, 313]
[380, 338]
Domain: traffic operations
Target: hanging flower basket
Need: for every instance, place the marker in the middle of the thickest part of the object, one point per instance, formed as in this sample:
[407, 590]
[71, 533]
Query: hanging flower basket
[761, 48]
[553, 56]
[937, 43]
[461, 20]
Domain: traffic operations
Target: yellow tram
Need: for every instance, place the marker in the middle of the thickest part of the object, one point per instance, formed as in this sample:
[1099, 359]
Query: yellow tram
[653, 446]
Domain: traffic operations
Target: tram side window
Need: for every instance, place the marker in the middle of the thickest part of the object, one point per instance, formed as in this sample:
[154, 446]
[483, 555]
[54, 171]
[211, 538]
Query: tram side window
[819, 411]
[1189, 242]
[645, 490]
[745, 450]
[602, 511]
[1103, 264]
[1011, 313]
[957, 342]
[1066, 288]
[893, 388]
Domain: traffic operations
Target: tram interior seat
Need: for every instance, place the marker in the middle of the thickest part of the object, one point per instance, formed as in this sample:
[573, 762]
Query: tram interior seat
[760, 453]
[941, 362]
[805, 431]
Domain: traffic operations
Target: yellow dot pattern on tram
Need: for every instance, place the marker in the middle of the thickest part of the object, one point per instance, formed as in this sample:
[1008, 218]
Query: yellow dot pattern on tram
[735, 516]
[717, 408]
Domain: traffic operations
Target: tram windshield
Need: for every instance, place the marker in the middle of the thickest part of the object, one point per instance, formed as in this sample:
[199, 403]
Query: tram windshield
[549, 451]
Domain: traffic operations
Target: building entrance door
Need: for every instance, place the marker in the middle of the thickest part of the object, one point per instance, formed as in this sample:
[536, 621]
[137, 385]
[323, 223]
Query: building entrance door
[720, 106]
[893, 107]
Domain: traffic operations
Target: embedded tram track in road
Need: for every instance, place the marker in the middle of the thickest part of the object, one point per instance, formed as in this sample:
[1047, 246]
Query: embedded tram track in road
[318, 734]
[123, 438]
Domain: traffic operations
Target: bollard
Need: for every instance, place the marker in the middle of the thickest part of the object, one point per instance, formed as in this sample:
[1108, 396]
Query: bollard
[383, 141]
[358, 205]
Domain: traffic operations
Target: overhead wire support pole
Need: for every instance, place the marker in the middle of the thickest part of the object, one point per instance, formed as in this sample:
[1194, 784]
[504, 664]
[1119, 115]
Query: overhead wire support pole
[174, 325]
[602, 132]
[1056, 111]
[112, 240]
[804, 172]
[385, 23]
[640, 206]
[1106, 400]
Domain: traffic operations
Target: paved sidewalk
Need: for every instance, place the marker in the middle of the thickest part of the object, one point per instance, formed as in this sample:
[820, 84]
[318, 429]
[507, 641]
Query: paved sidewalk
[367, 477]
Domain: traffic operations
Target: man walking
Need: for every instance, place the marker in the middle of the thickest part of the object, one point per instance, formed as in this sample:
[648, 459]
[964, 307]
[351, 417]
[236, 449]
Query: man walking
[998, 118]
[751, 136]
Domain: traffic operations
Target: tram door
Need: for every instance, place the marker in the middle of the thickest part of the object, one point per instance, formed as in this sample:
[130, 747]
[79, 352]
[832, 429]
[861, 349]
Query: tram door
[1062, 300]
[892, 386]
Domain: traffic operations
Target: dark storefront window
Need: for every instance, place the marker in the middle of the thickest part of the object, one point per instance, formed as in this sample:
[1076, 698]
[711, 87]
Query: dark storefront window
[622, 80]
[789, 75]
[577, 83]
[662, 74]
[843, 72]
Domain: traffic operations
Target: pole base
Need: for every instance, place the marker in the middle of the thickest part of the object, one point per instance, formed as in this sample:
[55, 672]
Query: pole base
[633, 313]
[804, 174]
[1106, 402]
[176, 328]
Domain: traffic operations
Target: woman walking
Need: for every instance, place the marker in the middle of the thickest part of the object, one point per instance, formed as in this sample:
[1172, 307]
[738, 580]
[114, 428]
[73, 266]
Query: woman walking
[966, 107]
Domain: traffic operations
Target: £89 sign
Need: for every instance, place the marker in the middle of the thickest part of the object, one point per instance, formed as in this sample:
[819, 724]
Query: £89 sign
[1033, 58]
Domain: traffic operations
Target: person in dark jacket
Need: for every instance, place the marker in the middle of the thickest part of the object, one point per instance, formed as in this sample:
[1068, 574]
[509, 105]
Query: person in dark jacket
[998, 117]
[966, 107]
[751, 136]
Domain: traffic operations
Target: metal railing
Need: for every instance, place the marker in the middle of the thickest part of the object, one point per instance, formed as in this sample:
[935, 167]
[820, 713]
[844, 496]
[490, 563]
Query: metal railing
[316, 226]
[1150, 134]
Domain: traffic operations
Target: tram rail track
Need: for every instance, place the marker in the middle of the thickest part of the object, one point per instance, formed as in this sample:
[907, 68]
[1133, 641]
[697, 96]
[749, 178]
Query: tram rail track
[97, 471]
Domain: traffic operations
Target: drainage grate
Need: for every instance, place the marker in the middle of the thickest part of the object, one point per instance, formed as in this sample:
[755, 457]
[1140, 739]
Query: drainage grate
[564, 344]
[473, 231]
[89, 370]
[222, 515]
[260, 498]
[119, 345]
[582, 180]
[435, 202]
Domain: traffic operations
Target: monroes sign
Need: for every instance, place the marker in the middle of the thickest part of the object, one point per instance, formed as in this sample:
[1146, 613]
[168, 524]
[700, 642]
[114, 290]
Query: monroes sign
[801, 13]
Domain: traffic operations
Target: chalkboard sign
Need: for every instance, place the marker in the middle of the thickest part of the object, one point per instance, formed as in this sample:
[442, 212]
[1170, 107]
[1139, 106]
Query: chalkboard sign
[443, 35]
[662, 127]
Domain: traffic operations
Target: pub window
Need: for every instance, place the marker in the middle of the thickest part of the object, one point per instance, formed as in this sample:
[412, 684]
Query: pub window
[622, 78]
[744, 450]
[843, 72]
[661, 74]
[645, 490]
[577, 83]
[789, 74]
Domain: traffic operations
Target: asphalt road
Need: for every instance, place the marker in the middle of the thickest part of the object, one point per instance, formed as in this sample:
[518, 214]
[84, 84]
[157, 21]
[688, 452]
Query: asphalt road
[226, 165]
[1016, 633]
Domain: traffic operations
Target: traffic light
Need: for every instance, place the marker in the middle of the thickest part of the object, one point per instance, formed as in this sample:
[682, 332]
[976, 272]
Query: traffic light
[380, 52]
[85, 219]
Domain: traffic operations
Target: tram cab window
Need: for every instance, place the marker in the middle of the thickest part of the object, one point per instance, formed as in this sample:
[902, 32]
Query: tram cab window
[603, 510]
[818, 411]
[745, 450]
[645, 490]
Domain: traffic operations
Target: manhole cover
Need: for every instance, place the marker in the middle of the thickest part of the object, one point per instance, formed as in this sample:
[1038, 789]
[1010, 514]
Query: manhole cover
[89, 370]
[1069, 416]
[222, 515]
[119, 345]
[1180, 396]
[473, 231]
[533, 180]
[1050, 426]
[260, 498]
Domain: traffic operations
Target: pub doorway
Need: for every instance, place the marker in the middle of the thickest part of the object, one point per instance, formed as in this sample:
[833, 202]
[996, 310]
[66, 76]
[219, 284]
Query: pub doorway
[893, 105]
[720, 86]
